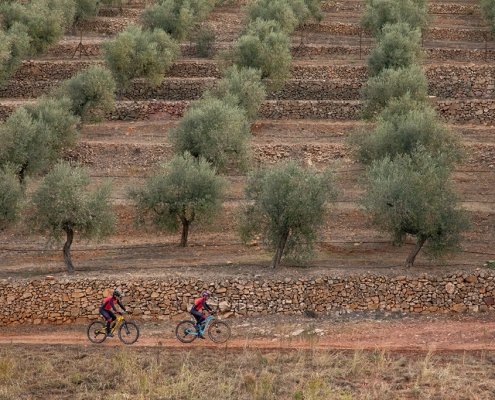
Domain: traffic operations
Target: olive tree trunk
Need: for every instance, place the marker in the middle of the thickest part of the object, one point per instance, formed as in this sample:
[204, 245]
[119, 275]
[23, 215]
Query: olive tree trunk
[280, 249]
[185, 226]
[68, 243]
[412, 256]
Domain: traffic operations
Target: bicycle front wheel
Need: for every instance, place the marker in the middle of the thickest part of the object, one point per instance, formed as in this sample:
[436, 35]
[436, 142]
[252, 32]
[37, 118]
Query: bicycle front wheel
[186, 331]
[219, 331]
[128, 332]
[97, 331]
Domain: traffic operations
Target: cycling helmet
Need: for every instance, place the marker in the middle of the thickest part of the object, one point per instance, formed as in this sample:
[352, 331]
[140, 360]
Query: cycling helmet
[206, 293]
[117, 293]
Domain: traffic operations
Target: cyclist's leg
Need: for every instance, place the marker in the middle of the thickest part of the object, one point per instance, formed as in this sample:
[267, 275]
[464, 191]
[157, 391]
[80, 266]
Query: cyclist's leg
[199, 318]
[113, 318]
[108, 318]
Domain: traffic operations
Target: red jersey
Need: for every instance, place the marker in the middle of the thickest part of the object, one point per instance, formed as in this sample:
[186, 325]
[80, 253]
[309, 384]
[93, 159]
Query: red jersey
[200, 303]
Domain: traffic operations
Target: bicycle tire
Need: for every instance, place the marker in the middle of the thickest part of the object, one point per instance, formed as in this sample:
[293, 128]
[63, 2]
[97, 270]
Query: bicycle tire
[96, 332]
[128, 332]
[182, 331]
[219, 331]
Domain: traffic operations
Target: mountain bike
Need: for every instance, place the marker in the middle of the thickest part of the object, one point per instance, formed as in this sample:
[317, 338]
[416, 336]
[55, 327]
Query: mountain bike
[218, 331]
[128, 331]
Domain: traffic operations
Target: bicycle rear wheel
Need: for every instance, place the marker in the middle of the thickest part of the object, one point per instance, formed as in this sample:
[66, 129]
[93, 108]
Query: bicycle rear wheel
[97, 331]
[128, 332]
[186, 331]
[219, 331]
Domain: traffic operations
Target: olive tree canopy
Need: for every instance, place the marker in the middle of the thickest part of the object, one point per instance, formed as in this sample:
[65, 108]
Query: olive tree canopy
[138, 53]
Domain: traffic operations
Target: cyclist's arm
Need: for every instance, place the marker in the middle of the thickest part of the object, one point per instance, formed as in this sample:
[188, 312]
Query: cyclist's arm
[207, 307]
[120, 305]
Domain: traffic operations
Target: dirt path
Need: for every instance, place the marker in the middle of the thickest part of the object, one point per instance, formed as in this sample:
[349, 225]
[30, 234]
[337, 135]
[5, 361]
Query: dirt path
[408, 333]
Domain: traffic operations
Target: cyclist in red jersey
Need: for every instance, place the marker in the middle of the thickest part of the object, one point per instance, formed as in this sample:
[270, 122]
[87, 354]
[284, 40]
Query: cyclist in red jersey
[198, 305]
[107, 306]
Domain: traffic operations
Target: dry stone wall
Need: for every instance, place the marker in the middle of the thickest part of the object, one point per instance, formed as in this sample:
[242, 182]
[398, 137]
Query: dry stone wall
[43, 301]
[188, 80]
[477, 52]
[434, 33]
[479, 112]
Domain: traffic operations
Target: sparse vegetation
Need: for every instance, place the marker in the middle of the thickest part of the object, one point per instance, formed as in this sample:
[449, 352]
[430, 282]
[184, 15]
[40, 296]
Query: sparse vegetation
[250, 374]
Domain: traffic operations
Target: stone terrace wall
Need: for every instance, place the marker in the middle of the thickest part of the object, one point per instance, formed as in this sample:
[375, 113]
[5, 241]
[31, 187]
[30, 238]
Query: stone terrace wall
[65, 301]
[188, 80]
[459, 112]
[477, 52]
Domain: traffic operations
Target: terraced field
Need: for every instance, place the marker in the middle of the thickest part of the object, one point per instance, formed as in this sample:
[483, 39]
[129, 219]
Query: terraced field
[308, 120]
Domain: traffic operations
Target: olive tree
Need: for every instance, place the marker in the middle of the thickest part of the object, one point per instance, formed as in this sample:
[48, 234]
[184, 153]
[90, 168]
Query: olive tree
[25, 144]
[286, 205]
[34, 136]
[398, 46]
[241, 87]
[377, 13]
[67, 9]
[56, 115]
[86, 9]
[392, 84]
[64, 204]
[274, 10]
[14, 45]
[401, 130]
[91, 92]
[45, 22]
[266, 47]
[487, 8]
[414, 195]
[288, 13]
[176, 17]
[11, 196]
[138, 53]
[215, 130]
[185, 190]
[205, 38]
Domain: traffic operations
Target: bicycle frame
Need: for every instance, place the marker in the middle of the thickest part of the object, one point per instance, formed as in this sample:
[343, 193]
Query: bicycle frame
[202, 330]
[115, 324]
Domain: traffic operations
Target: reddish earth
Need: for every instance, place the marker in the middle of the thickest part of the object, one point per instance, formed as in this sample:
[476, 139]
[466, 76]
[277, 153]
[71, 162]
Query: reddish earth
[450, 333]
